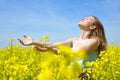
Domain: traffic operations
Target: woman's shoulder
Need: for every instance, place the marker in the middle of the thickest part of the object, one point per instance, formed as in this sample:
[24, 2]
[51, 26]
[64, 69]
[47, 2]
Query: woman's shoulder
[94, 39]
[93, 42]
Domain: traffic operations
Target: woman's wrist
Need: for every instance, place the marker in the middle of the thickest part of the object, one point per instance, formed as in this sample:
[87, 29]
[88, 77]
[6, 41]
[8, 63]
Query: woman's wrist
[34, 43]
[38, 43]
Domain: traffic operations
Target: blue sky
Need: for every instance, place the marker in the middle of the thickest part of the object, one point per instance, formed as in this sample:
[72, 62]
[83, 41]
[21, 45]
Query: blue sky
[57, 18]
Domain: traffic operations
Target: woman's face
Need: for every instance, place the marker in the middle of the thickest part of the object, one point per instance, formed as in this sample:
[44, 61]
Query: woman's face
[86, 23]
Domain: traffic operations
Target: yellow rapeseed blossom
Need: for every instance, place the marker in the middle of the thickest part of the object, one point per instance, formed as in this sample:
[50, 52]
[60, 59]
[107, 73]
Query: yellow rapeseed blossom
[25, 63]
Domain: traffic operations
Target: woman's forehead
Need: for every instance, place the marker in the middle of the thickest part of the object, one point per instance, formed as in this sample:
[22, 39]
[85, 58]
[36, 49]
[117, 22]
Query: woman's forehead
[91, 18]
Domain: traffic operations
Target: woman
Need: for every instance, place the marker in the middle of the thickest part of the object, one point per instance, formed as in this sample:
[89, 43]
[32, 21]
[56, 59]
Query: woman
[91, 39]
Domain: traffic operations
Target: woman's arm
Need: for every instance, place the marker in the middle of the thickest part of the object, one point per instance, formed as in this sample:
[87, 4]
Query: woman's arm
[29, 41]
[43, 49]
[53, 45]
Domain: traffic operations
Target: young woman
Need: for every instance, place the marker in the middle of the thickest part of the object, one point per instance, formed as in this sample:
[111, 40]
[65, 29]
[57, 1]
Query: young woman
[92, 39]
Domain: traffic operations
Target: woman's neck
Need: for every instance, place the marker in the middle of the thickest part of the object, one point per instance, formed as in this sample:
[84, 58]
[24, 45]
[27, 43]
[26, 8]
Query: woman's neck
[84, 34]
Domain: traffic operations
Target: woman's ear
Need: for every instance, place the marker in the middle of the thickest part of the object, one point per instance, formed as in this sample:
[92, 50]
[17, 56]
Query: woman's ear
[92, 27]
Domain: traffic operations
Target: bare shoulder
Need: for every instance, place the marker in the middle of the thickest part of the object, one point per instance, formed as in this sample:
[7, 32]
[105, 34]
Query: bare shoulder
[93, 42]
[91, 45]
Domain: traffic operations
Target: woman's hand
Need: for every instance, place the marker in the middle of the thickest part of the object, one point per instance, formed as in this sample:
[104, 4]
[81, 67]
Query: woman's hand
[43, 49]
[28, 40]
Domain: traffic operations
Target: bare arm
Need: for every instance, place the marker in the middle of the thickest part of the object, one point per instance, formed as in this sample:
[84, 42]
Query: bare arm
[43, 49]
[29, 41]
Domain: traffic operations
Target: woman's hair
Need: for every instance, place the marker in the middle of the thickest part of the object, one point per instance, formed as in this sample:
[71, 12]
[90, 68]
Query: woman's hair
[99, 34]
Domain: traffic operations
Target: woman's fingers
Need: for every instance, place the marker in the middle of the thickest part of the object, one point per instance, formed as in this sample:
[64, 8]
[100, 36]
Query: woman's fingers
[40, 48]
[21, 41]
[37, 48]
[27, 37]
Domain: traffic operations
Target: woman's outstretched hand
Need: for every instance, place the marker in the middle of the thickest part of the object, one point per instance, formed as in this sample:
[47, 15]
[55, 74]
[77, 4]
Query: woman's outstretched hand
[28, 40]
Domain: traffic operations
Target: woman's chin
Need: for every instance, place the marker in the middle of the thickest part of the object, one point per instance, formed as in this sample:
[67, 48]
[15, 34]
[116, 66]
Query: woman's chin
[79, 24]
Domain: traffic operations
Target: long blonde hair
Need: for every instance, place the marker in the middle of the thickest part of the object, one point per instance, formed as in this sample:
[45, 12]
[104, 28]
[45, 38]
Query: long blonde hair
[99, 34]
